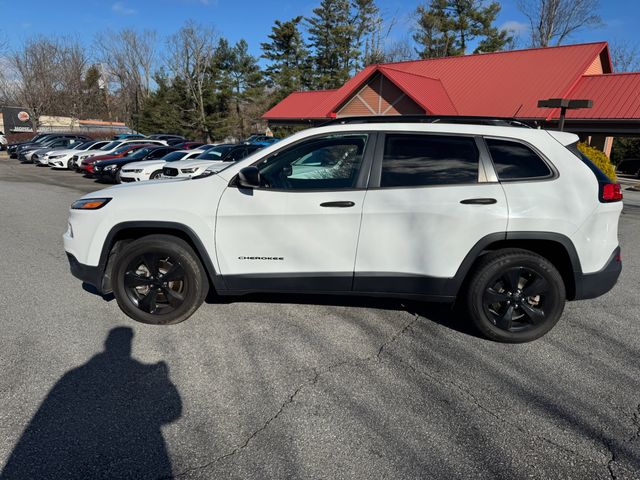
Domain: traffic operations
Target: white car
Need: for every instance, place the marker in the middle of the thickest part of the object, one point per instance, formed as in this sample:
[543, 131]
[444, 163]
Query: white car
[3, 141]
[110, 148]
[152, 169]
[62, 158]
[512, 221]
[214, 159]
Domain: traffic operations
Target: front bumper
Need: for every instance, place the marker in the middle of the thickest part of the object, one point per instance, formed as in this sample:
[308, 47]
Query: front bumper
[592, 285]
[88, 274]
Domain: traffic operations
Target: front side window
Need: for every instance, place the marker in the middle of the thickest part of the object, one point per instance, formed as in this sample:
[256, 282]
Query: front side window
[332, 162]
[515, 161]
[424, 160]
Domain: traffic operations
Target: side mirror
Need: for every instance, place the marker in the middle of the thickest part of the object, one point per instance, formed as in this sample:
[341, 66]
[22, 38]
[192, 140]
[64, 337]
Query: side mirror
[249, 177]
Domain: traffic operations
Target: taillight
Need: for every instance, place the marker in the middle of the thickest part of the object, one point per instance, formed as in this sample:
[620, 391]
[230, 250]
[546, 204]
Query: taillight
[610, 192]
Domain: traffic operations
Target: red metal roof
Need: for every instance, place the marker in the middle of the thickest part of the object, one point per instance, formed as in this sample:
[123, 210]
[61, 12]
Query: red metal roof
[415, 86]
[302, 105]
[504, 84]
[614, 95]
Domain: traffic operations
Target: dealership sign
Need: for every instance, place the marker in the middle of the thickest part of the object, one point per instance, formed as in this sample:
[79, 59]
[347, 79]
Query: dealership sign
[16, 119]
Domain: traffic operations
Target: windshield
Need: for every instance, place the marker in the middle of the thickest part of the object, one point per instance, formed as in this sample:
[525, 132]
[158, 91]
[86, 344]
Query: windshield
[174, 156]
[122, 149]
[111, 145]
[143, 152]
[215, 153]
[83, 145]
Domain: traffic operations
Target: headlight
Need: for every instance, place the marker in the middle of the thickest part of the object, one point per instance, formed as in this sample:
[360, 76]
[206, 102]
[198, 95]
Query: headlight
[53, 156]
[110, 167]
[136, 170]
[90, 203]
[189, 170]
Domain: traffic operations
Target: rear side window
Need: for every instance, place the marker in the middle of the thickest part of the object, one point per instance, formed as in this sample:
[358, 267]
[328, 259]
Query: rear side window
[423, 160]
[515, 161]
[602, 178]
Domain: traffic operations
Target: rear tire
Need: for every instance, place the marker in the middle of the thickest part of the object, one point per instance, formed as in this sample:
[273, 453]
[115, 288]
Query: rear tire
[515, 296]
[159, 280]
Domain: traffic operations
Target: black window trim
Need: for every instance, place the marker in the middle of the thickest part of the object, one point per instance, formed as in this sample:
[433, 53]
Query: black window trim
[376, 170]
[554, 171]
[363, 174]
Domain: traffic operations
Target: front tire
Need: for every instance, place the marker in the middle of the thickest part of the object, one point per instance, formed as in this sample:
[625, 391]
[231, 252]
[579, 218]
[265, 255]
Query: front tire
[515, 296]
[159, 280]
[155, 175]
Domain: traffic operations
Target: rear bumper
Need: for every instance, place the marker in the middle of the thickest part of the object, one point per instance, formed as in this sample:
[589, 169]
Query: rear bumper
[592, 285]
[88, 274]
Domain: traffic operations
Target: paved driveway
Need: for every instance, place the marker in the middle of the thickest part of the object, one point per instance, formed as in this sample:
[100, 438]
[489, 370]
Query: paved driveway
[290, 387]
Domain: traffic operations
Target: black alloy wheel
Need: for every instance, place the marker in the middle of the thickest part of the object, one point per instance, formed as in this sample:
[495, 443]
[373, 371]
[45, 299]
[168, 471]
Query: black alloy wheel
[158, 279]
[515, 295]
[155, 283]
[515, 299]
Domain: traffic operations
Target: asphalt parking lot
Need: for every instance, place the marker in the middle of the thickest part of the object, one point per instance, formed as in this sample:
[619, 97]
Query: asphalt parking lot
[298, 387]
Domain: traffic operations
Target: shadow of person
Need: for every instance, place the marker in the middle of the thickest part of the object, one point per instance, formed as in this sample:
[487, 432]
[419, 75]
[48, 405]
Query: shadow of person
[101, 420]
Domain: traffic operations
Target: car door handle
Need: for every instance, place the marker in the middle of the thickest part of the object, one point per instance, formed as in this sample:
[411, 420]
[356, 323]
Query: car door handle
[343, 204]
[479, 201]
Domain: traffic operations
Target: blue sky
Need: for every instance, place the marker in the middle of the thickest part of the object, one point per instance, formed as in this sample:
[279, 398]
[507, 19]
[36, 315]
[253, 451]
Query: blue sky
[251, 20]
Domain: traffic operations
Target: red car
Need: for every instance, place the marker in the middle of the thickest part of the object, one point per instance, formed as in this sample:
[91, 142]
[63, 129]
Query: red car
[87, 164]
[188, 145]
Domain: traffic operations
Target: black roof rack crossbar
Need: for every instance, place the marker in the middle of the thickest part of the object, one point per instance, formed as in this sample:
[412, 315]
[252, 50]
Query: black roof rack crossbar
[495, 121]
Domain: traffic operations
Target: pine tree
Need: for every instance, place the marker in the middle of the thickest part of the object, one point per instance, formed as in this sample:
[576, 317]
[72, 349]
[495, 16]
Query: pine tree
[94, 96]
[289, 69]
[248, 86]
[367, 39]
[168, 108]
[331, 34]
[446, 27]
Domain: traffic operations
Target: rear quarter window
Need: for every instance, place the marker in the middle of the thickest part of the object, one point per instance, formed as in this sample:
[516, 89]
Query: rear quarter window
[600, 175]
[516, 161]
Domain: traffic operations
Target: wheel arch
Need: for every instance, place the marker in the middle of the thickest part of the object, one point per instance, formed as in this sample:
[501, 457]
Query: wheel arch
[125, 232]
[555, 247]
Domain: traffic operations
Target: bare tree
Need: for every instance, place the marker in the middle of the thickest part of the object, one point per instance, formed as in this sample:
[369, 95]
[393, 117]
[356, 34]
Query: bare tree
[553, 21]
[625, 56]
[37, 76]
[400, 51]
[190, 54]
[129, 58]
[73, 64]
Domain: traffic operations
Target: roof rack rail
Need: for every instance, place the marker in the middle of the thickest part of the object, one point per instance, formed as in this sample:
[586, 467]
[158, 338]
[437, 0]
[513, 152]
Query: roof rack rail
[471, 120]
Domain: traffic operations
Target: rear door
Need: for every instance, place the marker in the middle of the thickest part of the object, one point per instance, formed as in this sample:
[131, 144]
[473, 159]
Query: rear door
[431, 198]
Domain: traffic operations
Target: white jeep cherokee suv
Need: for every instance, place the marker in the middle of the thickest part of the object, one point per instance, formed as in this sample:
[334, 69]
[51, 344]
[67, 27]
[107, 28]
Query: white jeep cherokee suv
[511, 221]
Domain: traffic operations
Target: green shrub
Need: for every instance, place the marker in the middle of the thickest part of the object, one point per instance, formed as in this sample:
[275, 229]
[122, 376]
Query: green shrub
[600, 159]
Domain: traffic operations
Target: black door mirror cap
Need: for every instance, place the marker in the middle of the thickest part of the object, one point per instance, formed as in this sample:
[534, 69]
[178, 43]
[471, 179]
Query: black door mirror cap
[249, 177]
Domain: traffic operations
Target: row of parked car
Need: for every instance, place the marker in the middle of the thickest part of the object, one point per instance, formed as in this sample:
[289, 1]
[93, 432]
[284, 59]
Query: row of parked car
[133, 158]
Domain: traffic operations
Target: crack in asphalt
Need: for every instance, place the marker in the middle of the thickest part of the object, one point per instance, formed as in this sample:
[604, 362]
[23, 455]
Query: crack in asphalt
[607, 443]
[501, 419]
[317, 373]
[378, 358]
[635, 419]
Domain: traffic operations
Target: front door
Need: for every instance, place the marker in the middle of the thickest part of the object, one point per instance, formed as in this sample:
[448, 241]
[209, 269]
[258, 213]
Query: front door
[299, 230]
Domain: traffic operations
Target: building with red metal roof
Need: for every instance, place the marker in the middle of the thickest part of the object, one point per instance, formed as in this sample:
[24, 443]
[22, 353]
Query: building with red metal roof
[500, 84]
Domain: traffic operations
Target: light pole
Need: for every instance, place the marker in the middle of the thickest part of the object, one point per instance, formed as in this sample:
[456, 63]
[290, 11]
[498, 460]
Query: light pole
[564, 104]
